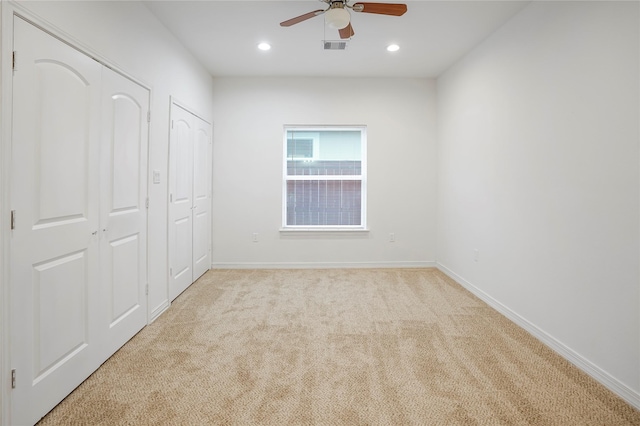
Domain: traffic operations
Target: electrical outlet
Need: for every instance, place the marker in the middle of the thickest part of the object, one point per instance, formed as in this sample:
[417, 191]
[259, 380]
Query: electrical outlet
[476, 255]
[254, 237]
[392, 237]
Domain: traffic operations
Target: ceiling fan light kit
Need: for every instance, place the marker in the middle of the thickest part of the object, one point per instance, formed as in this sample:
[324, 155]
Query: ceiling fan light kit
[338, 17]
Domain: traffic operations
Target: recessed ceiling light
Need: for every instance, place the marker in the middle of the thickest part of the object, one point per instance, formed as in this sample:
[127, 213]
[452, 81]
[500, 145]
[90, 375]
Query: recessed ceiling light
[264, 46]
[393, 48]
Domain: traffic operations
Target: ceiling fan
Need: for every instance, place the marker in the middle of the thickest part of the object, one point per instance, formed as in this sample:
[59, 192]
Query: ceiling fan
[337, 15]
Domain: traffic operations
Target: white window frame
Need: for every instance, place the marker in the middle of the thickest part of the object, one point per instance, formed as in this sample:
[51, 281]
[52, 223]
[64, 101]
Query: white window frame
[362, 178]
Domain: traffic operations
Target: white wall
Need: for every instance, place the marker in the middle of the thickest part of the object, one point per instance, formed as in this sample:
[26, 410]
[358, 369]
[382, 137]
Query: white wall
[539, 170]
[128, 35]
[249, 115]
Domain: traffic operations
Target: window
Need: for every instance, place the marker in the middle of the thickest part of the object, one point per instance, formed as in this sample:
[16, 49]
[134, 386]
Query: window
[324, 177]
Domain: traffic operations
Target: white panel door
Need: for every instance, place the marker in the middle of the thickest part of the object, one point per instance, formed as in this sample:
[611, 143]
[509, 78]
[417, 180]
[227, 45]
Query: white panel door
[181, 200]
[54, 245]
[123, 212]
[201, 198]
[189, 198]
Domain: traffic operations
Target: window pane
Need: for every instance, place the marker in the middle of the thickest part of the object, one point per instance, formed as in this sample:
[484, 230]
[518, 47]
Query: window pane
[324, 202]
[324, 152]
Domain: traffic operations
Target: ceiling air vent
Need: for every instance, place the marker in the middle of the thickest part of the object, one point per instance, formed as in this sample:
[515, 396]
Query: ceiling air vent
[335, 45]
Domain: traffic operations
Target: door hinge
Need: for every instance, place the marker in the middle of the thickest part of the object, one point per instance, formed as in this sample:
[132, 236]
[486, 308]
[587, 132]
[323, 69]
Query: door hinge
[13, 60]
[146, 289]
[13, 378]
[172, 124]
[171, 198]
[147, 202]
[170, 272]
[13, 220]
[149, 116]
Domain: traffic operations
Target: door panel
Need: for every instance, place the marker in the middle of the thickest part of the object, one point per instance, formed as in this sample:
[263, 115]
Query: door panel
[60, 326]
[123, 223]
[126, 125]
[183, 249]
[62, 126]
[54, 246]
[181, 201]
[201, 198]
[182, 149]
[124, 293]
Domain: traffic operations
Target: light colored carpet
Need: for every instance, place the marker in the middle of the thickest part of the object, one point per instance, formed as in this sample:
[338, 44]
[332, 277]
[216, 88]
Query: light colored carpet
[336, 347]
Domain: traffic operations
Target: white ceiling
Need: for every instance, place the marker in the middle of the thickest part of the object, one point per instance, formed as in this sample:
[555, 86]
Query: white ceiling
[432, 35]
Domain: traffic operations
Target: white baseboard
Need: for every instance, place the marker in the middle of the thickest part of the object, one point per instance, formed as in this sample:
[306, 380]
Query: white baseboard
[320, 265]
[623, 391]
[158, 311]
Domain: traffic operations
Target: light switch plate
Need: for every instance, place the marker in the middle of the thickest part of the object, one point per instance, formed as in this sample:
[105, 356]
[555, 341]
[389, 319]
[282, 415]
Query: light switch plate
[156, 176]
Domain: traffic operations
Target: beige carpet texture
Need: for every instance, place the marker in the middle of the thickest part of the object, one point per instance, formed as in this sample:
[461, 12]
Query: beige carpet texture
[336, 347]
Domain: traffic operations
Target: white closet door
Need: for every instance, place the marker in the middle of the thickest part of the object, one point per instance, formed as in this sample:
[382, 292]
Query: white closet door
[54, 245]
[189, 198]
[123, 224]
[201, 198]
[181, 200]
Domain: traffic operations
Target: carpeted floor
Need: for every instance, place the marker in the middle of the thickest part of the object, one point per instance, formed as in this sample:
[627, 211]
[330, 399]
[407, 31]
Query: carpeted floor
[336, 347]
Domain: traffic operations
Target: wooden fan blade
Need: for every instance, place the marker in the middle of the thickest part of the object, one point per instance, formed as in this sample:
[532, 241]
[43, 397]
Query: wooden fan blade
[393, 9]
[301, 18]
[347, 32]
